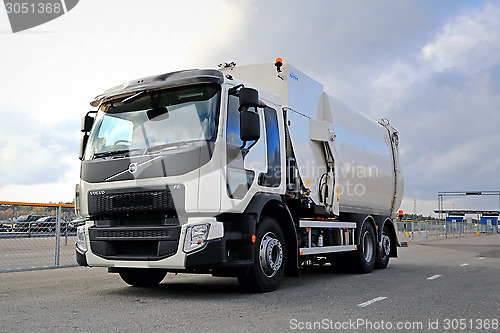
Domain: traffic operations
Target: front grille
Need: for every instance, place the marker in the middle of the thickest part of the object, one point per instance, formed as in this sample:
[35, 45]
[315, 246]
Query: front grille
[119, 202]
[132, 234]
[134, 243]
[136, 223]
[135, 202]
[135, 233]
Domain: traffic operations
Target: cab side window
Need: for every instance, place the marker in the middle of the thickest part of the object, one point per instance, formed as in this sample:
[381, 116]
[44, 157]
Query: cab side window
[273, 176]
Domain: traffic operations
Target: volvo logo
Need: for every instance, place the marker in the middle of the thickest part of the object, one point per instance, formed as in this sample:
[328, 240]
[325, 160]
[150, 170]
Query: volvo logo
[101, 192]
[132, 168]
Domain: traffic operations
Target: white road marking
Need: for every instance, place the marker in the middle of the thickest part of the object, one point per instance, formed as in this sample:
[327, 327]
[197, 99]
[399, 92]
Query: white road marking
[481, 258]
[466, 264]
[362, 305]
[434, 277]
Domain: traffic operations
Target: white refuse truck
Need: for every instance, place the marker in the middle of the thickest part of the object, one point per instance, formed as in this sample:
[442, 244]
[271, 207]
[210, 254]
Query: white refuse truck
[246, 171]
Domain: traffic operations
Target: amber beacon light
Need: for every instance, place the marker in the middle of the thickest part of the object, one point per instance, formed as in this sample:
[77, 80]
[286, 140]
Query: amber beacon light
[278, 63]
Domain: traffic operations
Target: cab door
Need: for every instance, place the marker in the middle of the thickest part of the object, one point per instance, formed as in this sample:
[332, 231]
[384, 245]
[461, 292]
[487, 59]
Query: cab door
[244, 160]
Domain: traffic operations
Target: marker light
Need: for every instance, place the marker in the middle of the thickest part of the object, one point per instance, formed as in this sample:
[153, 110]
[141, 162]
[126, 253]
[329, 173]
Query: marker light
[278, 63]
[77, 199]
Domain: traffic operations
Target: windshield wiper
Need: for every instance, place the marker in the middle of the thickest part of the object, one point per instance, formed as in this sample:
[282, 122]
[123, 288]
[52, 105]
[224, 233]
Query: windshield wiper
[167, 145]
[121, 153]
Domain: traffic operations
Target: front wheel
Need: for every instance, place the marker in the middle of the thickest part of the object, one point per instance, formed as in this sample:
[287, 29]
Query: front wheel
[269, 258]
[142, 277]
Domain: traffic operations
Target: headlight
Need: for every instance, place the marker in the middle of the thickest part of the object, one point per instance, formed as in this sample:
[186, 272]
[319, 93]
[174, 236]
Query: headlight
[81, 241]
[196, 237]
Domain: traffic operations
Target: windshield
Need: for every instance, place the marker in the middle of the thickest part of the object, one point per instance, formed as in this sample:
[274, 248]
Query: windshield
[152, 121]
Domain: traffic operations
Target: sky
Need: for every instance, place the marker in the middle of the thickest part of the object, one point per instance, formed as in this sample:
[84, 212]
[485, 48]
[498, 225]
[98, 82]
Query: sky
[431, 67]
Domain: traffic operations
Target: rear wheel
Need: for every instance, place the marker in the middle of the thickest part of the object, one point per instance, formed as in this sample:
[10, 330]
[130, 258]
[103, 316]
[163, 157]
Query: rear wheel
[384, 249]
[366, 254]
[269, 256]
[142, 277]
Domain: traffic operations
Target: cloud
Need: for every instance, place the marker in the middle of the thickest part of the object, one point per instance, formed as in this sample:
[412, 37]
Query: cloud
[470, 42]
[33, 153]
[444, 100]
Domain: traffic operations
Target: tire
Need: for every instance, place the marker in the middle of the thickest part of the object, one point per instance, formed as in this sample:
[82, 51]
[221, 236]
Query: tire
[142, 277]
[384, 249]
[269, 259]
[366, 255]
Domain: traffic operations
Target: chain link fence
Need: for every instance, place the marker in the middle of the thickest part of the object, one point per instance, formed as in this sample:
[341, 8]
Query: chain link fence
[37, 236]
[426, 230]
[42, 236]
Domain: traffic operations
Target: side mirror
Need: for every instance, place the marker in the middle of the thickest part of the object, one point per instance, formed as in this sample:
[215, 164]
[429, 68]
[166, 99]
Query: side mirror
[250, 98]
[249, 125]
[249, 120]
[87, 123]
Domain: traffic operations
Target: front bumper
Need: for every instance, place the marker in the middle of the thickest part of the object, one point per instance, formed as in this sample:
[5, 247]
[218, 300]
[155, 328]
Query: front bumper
[81, 259]
[222, 250]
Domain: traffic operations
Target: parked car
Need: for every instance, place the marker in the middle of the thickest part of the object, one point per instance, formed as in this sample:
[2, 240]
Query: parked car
[23, 223]
[48, 224]
[5, 227]
[75, 223]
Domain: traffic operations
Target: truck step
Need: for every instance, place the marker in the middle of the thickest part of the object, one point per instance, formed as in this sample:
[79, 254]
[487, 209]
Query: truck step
[326, 224]
[326, 249]
[239, 263]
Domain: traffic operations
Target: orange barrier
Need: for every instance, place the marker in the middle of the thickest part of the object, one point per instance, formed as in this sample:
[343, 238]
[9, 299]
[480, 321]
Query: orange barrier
[36, 204]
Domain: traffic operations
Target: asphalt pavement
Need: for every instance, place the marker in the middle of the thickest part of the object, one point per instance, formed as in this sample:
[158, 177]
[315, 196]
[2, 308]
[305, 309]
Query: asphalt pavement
[449, 285]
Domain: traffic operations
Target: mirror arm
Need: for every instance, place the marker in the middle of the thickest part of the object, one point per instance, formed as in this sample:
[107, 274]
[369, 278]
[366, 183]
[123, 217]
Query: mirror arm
[234, 90]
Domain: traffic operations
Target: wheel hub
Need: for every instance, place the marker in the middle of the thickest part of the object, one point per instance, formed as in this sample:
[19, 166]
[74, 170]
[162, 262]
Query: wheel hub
[386, 244]
[270, 254]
